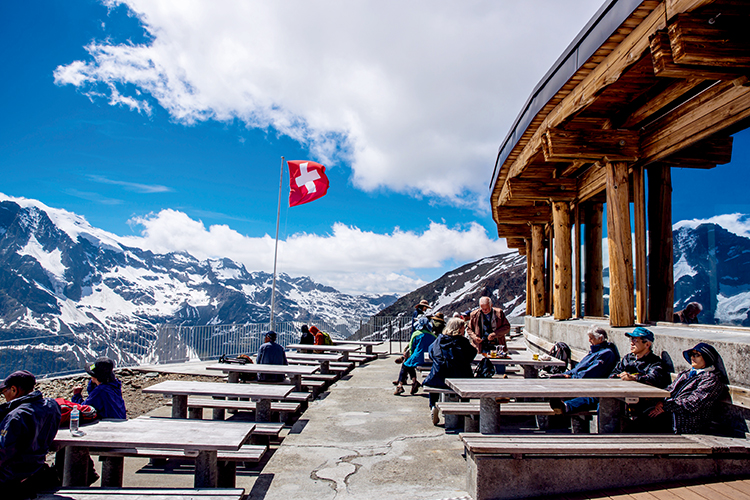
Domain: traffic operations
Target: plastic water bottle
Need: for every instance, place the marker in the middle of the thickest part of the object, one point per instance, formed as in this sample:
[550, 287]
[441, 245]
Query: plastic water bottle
[74, 419]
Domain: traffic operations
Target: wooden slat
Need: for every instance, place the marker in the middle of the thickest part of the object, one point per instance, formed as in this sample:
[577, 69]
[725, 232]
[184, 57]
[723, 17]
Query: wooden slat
[540, 214]
[143, 494]
[724, 43]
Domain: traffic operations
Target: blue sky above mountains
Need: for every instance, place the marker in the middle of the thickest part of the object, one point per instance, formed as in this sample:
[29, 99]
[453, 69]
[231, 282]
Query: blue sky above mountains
[164, 122]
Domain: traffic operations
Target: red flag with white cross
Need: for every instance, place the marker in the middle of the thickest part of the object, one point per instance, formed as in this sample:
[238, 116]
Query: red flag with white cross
[307, 181]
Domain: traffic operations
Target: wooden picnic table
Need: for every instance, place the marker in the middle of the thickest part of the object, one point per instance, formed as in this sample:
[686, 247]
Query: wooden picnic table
[324, 360]
[609, 391]
[526, 360]
[294, 372]
[367, 344]
[181, 389]
[199, 438]
[343, 349]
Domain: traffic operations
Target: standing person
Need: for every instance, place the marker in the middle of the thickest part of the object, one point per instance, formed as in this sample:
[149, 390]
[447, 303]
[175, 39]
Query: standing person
[419, 311]
[271, 353]
[28, 427]
[451, 355]
[307, 337]
[419, 344]
[104, 391]
[689, 315]
[488, 327]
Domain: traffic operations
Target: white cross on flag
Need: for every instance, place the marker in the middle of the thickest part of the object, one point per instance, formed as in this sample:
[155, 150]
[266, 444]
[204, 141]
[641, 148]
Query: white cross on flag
[307, 181]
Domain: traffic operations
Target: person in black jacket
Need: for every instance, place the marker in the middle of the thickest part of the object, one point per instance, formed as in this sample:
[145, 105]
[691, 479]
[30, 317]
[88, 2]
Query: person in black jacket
[642, 365]
[307, 337]
[451, 355]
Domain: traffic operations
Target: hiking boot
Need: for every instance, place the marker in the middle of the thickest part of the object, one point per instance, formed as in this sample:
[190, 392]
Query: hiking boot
[415, 387]
[395, 382]
[557, 406]
[399, 390]
[435, 413]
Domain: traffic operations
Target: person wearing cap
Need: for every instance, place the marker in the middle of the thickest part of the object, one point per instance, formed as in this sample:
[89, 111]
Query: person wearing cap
[414, 355]
[693, 395]
[104, 391]
[438, 323]
[29, 423]
[271, 353]
[689, 315]
[641, 364]
[419, 311]
[307, 337]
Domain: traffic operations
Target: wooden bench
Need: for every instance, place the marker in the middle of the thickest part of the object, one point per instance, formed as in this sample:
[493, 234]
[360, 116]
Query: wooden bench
[143, 494]
[341, 366]
[196, 405]
[362, 358]
[470, 411]
[521, 466]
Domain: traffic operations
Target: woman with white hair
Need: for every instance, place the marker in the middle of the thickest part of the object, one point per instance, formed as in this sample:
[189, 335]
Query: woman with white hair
[451, 355]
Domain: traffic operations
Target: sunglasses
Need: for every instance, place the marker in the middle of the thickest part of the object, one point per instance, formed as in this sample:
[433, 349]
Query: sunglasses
[696, 355]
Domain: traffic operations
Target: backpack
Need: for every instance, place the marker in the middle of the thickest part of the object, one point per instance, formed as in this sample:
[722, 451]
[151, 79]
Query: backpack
[87, 413]
[485, 369]
[560, 351]
[326, 338]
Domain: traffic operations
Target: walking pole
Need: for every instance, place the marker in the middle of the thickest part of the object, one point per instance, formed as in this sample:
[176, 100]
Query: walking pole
[276, 249]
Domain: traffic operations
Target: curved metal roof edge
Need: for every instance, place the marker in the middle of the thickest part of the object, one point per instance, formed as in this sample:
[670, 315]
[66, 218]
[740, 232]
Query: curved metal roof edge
[600, 27]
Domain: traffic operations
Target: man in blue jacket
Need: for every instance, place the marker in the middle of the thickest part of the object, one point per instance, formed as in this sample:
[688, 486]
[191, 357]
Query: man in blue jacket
[104, 389]
[28, 427]
[271, 353]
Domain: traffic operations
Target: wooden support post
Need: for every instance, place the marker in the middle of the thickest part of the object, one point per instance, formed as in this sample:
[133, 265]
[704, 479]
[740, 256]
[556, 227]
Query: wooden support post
[577, 261]
[661, 279]
[537, 270]
[639, 217]
[548, 296]
[529, 286]
[620, 252]
[592, 276]
[563, 277]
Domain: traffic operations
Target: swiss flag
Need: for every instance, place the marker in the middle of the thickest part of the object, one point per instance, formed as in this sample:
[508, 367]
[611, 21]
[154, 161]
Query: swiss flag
[307, 181]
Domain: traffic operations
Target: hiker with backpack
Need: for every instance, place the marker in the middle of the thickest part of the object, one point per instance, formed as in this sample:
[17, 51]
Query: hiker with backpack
[419, 344]
[451, 355]
[321, 337]
[104, 391]
[271, 353]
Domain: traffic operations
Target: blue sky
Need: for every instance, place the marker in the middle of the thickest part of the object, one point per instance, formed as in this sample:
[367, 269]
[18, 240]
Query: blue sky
[164, 123]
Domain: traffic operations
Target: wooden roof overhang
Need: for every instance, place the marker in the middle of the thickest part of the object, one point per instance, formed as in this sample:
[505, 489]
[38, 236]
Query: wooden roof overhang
[658, 81]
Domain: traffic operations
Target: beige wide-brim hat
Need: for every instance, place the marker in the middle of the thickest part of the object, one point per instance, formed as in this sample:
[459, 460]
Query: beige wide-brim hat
[438, 317]
[423, 303]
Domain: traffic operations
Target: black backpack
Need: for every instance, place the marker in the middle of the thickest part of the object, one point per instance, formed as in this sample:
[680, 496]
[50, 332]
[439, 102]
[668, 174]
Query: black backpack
[485, 369]
[560, 351]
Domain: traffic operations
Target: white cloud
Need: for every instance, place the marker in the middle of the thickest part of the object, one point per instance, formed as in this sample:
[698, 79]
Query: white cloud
[738, 224]
[349, 259]
[417, 94]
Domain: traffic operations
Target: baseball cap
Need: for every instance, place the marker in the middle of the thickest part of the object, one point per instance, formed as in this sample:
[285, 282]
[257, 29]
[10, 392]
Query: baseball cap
[21, 378]
[640, 332]
[101, 369]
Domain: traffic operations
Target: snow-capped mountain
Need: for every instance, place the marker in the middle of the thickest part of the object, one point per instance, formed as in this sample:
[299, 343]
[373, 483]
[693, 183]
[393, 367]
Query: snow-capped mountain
[69, 289]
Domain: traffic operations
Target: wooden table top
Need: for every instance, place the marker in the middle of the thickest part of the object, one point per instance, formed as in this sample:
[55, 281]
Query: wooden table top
[257, 368]
[193, 388]
[552, 388]
[314, 357]
[359, 342]
[166, 433]
[521, 359]
[334, 348]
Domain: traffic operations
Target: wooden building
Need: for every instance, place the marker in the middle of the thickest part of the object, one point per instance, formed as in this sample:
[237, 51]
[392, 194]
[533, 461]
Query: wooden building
[646, 86]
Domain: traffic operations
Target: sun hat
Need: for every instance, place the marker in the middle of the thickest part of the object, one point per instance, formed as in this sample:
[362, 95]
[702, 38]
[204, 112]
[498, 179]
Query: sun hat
[438, 317]
[423, 303]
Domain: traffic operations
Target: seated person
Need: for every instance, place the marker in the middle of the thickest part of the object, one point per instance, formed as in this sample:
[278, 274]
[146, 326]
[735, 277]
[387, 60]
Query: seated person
[451, 355]
[104, 391]
[271, 353]
[28, 427]
[693, 394]
[438, 323]
[419, 344]
[598, 363]
[689, 315]
[307, 337]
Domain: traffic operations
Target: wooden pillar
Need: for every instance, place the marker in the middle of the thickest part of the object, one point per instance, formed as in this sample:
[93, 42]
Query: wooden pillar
[577, 261]
[620, 244]
[549, 297]
[592, 276]
[639, 217]
[661, 260]
[563, 276]
[529, 286]
[537, 270]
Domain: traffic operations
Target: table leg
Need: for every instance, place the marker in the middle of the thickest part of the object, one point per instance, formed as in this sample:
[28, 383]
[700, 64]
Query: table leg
[451, 421]
[346, 356]
[233, 377]
[76, 469]
[325, 367]
[530, 371]
[611, 415]
[195, 413]
[489, 416]
[263, 410]
[297, 381]
[112, 471]
[206, 469]
[218, 413]
[368, 349]
[227, 474]
[179, 406]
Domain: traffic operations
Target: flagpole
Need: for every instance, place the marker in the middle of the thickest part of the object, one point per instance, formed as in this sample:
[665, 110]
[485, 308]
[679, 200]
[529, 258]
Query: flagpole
[276, 249]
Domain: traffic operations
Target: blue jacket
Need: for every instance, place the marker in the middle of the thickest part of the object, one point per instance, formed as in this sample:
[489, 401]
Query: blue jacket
[271, 353]
[451, 358]
[106, 398]
[420, 343]
[29, 425]
[598, 363]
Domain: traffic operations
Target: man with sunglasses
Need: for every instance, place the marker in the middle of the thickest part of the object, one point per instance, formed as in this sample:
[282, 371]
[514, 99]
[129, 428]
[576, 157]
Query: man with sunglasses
[641, 364]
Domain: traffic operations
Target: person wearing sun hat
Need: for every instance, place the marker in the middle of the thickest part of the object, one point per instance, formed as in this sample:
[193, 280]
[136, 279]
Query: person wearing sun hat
[694, 393]
[104, 391]
[438, 323]
[419, 311]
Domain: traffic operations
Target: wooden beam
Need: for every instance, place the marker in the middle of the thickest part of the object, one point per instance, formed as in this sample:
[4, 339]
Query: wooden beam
[706, 154]
[537, 271]
[592, 182]
[529, 287]
[592, 277]
[540, 214]
[672, 93]
[566, 145]
[619, 239]
[522, 189]
[549, 297]
[660, 254]
[577, 260]
[563, 278]
[513, 231]
[517, 242]
[696, 40]
[665, 65]
[639, 218]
